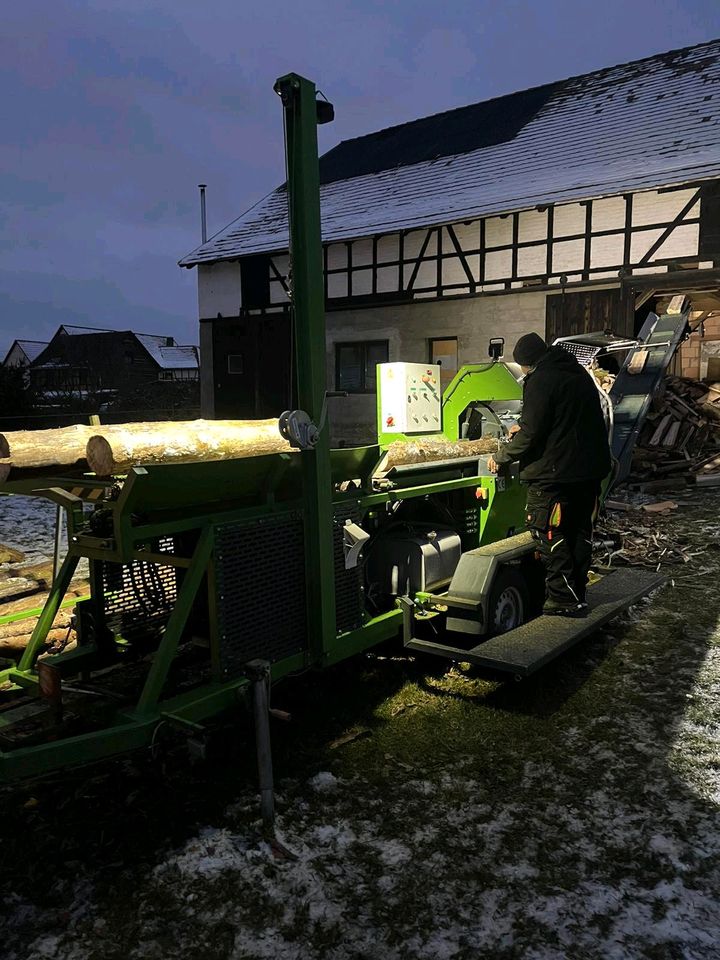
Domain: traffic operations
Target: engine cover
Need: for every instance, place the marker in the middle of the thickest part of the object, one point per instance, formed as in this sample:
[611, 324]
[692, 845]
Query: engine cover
[402, 563]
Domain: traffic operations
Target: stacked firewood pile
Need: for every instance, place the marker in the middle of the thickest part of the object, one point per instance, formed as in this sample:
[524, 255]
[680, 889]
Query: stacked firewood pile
[680, 440]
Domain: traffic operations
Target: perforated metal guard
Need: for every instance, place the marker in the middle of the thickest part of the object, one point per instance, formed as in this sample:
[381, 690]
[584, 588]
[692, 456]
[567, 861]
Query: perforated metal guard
[139, 596]
[348, 583]
[260, 590]
[584, 353]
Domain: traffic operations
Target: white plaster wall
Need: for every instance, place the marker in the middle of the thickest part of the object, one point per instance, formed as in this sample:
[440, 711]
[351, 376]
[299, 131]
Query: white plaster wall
[16, 357]
[655, 207]
[219, 290]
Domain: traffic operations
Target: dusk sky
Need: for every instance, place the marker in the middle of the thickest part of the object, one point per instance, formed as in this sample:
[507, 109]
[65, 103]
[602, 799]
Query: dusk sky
[114, 111]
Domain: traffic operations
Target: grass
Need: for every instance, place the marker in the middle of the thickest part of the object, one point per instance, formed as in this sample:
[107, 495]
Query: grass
[572, 815]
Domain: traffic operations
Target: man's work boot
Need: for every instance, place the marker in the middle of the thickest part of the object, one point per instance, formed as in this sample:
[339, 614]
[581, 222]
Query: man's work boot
[556, 608]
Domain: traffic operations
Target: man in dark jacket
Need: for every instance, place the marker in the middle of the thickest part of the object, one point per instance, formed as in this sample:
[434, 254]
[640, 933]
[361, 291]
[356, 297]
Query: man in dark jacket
[562, 445]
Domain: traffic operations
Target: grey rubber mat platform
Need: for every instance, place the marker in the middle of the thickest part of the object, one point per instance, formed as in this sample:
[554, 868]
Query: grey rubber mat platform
[525, 649]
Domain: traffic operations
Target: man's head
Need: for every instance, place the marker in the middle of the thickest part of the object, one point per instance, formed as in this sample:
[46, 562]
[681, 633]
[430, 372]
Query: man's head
[529, 349]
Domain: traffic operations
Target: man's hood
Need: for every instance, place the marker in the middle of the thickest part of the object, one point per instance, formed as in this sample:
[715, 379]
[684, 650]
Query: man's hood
[559, 358]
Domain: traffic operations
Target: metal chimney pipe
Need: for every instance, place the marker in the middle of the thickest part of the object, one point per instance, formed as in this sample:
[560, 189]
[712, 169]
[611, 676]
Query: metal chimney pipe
[203, 214]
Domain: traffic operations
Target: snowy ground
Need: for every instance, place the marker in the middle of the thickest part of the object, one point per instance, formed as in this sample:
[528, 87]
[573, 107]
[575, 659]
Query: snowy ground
[28, 524]
[574, 816]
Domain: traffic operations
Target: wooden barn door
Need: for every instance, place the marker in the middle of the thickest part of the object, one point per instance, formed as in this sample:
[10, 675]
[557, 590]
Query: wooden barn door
[252, 375]
[590, 311]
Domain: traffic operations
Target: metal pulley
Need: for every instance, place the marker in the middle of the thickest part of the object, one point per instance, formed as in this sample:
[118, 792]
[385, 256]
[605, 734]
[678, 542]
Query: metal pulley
[297, 427]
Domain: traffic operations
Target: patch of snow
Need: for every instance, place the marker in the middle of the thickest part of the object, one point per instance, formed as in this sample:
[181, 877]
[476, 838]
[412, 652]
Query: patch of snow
[323, 781]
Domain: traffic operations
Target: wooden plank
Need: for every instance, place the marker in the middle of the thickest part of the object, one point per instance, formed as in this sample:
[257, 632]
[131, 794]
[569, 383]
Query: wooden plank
[671, 436]
[638, 361]
[660, 430]
[708, 480]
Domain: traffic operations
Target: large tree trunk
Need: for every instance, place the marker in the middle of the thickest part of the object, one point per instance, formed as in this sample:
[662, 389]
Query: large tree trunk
[44, 449]
[116, 450]
[427, 450]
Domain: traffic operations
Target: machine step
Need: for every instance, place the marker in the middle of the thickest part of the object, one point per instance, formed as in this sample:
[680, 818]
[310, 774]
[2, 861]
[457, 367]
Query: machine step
[525, 649]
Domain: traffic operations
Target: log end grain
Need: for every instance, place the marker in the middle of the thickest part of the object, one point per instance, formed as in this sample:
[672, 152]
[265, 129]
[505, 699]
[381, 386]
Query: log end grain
[100, 456]
[5, 463]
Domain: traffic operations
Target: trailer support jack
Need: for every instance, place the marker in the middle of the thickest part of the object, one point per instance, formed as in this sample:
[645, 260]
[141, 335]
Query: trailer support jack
[259, 673]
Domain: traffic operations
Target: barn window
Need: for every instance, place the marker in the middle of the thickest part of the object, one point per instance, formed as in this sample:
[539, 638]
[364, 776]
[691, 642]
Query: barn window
[235, 363]
[355, 365]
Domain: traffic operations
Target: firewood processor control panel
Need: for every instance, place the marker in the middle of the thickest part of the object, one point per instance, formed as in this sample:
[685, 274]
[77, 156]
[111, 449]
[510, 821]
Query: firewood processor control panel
[410, 398]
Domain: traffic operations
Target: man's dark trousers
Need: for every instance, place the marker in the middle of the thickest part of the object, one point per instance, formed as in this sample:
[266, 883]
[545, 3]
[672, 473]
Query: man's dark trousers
[561, 517]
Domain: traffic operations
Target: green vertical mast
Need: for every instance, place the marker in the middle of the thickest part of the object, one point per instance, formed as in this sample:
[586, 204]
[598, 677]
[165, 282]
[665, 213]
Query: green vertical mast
[308, 306]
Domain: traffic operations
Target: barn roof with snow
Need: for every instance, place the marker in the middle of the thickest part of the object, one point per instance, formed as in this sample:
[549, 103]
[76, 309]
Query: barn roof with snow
[647, 124]
[169, 355]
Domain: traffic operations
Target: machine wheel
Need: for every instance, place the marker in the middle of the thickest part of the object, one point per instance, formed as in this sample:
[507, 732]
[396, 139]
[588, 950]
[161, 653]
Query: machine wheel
[509, 602]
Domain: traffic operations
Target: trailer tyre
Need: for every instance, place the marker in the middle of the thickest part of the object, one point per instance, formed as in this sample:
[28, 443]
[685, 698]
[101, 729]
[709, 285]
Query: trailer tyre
[508, 603]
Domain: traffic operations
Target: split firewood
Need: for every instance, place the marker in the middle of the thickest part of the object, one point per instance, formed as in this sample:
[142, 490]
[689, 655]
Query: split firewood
[664, 506]
[681, 435]
[115, 451]
[711, 410]
[427, 450]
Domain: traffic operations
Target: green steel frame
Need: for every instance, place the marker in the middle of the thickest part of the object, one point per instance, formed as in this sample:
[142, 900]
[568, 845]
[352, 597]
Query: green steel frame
[191, 501]
[299, 101]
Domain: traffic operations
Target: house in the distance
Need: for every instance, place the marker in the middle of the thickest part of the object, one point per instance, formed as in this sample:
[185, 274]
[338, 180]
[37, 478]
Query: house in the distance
[23, 352]
[85, 361]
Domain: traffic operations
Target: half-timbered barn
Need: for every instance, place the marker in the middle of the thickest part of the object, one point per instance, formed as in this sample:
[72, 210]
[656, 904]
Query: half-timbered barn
[575, 206]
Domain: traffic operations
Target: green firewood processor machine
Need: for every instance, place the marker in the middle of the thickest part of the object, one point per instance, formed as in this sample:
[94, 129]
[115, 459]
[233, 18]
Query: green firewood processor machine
[201, 574]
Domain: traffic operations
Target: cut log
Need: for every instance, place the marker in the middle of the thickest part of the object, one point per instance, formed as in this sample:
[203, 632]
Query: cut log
[44, 449]
[42, 573]
[427, 450]
[10, 554]
[79, 588]
[116, 450]
[12, 645]
[21, 627]
[13, 588]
